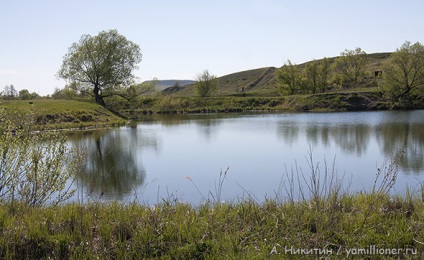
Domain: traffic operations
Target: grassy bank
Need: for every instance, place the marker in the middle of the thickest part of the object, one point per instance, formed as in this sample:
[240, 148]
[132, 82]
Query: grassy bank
[62, 114]
[65, 114]
[347, 101]
[244, 230]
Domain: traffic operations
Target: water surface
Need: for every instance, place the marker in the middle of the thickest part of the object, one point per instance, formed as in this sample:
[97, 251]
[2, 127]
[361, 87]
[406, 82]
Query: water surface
[181, 156]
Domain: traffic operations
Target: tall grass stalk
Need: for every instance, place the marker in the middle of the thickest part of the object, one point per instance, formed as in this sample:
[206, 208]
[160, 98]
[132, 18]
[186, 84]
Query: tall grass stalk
[386, 175]
[384, 182]
[216, 196]
[218, 188]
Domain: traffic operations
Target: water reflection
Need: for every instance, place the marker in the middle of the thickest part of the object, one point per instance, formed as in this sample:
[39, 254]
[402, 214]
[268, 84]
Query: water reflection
[352, 139]
[404, 140]
[289, 131]
[169, 147]
[113, 168]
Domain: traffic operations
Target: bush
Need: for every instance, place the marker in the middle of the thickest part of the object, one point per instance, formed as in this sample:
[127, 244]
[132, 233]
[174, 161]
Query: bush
[34, 167]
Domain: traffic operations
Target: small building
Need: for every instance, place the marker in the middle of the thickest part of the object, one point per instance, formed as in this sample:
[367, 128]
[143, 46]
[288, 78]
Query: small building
[378, 73]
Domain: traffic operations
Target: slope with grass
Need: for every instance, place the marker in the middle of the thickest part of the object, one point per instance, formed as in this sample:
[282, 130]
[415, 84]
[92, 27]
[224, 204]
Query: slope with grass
[261, 81]
[62, 114]
[254, 80]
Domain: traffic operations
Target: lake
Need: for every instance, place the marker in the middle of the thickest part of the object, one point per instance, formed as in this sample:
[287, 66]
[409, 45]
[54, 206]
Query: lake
[180, 157]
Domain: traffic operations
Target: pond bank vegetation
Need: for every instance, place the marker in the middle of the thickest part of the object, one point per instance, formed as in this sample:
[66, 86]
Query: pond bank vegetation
[310, 215]
[51, 114]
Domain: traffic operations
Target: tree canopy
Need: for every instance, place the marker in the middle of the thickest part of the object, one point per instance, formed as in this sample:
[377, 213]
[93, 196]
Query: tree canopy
[350, 67]
[206, 84]
[316, 74]
[101, 62]
[403, 74]
[288, 78]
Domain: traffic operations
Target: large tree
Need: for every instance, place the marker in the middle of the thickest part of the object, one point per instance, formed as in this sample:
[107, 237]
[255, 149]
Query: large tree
[101, 62]
[289, 78]
[323, 74]
[316, 74]
[350, 67]
[311, 76]
[403, 74]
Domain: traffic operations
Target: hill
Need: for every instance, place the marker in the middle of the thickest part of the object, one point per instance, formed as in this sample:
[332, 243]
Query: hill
[261, 81]
[163, 84]
[256, 80]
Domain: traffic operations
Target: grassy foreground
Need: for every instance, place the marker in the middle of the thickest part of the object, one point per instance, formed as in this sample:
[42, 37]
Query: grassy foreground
[62, 114]
[337, 227]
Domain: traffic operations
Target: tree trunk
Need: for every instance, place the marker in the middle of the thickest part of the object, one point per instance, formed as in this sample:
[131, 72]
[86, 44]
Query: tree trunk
[98, 96]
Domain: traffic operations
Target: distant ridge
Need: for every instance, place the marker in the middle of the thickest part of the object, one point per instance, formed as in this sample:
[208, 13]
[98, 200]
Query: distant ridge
[258, 80]
[163, 84]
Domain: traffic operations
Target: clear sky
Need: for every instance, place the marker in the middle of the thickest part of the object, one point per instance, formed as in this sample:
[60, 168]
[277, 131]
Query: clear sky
[180, 39]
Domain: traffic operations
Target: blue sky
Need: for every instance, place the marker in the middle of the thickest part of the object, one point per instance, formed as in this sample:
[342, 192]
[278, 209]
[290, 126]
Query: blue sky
[179, 39]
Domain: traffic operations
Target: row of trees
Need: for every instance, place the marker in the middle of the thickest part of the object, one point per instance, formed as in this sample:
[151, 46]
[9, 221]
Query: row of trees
[402, 78]
[9, 92]
[102, 66]
[317, 76]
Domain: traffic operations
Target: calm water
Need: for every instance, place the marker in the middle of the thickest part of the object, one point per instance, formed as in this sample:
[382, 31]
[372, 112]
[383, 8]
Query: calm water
[157, 157]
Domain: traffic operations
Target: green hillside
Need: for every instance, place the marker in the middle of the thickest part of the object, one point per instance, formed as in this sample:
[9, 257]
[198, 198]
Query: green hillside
[261, 81]
[255, 81]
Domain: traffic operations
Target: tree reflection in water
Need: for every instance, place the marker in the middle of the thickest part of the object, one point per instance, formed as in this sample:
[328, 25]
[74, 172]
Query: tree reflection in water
[112, 168]
[403, 138]
[114, 165]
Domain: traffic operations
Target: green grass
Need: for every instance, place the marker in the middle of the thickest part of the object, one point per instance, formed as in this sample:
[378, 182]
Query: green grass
[255, 80]
[63, 114]
[243, 230]
[342, 101]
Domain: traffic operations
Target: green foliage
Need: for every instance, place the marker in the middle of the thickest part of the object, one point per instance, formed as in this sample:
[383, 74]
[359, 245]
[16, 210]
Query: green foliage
[311, 76]
[316, 76]
[350, 67]
[70, 91]
[101, 62]
[288, 78]
[130, 93]
[25, 95]
[169, 104]
[34, 168]
[403, 75]
[206, 84]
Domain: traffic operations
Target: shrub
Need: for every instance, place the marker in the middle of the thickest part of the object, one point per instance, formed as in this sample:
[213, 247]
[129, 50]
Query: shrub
[34, 167]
